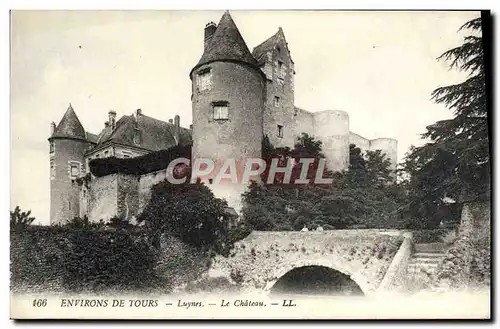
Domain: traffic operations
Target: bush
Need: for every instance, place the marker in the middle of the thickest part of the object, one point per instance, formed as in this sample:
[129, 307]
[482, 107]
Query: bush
[188, 211]
[98, 260]
[468, 262]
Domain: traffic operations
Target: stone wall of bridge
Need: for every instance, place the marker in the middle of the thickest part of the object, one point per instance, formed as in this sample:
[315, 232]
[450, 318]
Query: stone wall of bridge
[259, 260]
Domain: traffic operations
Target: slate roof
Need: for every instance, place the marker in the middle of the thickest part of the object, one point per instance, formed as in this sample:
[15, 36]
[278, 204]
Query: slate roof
[92, 137]
[260, 51]
[69, 126]
[155, 134]
[226, 44]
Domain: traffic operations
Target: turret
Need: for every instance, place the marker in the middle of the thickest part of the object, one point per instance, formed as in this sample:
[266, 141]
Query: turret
[68, 144]
[227, 103]
[332, 128]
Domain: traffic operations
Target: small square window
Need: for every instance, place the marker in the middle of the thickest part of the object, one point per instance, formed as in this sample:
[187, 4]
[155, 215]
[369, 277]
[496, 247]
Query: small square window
[221, 111]
[126, 155]
[75, 170]
[204, 80]
[280, 131]
[276, 101]
[106, 154]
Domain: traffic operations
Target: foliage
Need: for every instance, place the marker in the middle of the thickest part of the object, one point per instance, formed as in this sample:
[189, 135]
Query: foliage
[449, 237]
[468, 261]
[363, 196]
[455, 163]
[188, 211]
[98, 260]
[81, 259]
[147, 163]
[83, 223]
[20, 219]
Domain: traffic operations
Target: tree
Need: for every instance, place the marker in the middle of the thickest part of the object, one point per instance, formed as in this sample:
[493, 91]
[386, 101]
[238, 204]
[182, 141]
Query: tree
[364, 196]
[276, 205]
[455, 163]
[188, 211]
[20, 219]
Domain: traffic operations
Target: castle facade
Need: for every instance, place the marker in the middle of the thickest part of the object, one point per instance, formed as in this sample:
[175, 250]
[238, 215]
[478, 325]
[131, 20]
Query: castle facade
[237, 97]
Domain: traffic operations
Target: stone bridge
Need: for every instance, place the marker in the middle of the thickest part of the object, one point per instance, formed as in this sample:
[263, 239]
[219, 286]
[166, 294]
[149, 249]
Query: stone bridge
[374, 259]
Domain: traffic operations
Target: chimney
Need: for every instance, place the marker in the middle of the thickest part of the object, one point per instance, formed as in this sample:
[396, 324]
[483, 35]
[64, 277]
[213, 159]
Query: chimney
[52, 127]
[177, 128]
[138, 112]
[209, 31]
[112, 119]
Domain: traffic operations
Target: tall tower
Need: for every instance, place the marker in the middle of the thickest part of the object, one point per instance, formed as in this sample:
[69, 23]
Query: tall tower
[280, 115]
[68, 144]
[228, 101]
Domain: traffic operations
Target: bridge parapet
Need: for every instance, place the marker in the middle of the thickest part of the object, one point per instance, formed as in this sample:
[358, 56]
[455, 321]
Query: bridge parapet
[260, 259]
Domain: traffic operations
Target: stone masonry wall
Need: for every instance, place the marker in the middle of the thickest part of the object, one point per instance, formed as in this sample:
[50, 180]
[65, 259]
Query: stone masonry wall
[103, 194]
[263, 257]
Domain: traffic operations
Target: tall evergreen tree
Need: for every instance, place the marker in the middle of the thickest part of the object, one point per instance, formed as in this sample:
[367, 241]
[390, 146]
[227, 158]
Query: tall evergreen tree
[455, 162]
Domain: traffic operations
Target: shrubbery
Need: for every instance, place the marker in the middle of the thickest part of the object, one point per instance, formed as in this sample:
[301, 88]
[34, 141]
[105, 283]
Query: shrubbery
[468, 261]
[81, 259]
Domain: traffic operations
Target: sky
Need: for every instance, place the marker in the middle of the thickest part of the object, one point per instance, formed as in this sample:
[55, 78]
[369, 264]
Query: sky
[380, 67]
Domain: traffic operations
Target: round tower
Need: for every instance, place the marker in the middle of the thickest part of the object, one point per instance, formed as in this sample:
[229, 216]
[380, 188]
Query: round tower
[389, 146]
[227, 103]
[332, 128]
[68, 144]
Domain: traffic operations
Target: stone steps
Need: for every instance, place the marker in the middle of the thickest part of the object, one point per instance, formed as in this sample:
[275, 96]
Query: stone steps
[426, 258]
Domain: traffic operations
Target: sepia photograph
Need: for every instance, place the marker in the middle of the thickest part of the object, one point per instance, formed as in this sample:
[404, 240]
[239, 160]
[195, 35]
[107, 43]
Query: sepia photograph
[250, 164]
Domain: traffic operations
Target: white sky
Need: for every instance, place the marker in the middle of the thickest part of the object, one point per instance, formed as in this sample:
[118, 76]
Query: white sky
[379, 67]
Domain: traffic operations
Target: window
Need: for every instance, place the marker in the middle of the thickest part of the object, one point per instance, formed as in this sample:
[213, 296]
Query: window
[52, 169]
[52, 149]
[97, 156]
[276, 101]
[280, 131]
[74, 170]
[221, 111]
[126, 154]
[204, 80]
[281, 72]
[106, 154]
[137, 136]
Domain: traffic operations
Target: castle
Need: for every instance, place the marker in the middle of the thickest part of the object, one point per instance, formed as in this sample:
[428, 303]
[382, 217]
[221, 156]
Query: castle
[237, 97]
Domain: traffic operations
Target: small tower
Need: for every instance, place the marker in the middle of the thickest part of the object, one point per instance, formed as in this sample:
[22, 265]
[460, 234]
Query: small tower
[227, 102]
[68, 144]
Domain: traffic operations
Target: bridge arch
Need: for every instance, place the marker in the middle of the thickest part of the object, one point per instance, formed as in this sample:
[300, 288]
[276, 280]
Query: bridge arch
[333, 264]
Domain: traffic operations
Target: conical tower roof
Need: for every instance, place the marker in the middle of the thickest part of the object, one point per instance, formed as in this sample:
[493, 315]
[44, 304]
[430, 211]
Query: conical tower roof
[226, 44]
[69, 126]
